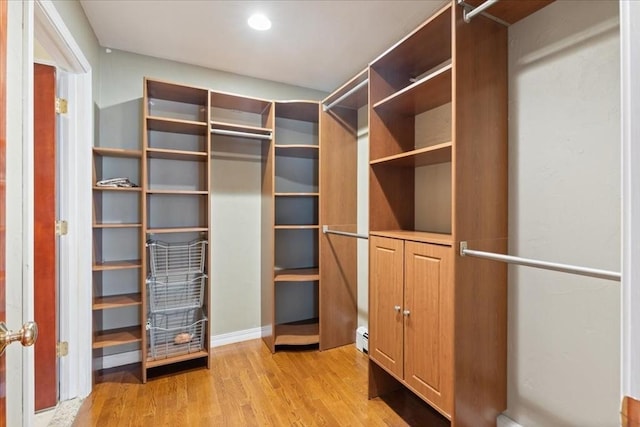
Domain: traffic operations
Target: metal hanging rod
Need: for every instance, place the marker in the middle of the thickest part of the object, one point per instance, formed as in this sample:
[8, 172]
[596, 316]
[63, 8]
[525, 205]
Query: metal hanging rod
[471, 11]
[565, 268]
[346, 95]
[242, 134]
[326, 230]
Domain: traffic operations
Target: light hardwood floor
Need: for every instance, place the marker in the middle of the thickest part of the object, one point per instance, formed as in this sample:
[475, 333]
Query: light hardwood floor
[249, 386]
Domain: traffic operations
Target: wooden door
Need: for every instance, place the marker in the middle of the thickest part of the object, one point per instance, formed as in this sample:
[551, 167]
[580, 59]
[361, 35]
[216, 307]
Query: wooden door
[3, 145]
[428, 301]
[45, 262]
[385, 303]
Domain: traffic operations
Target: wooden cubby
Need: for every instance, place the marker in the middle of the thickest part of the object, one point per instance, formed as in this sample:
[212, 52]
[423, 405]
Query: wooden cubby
[438, 175]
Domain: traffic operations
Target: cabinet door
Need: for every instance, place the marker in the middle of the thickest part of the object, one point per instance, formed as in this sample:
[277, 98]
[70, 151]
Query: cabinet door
[428, 301]
[385, 303]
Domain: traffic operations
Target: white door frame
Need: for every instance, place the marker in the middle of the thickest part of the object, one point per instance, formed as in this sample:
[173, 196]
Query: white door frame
[41, 19]
[630, 110]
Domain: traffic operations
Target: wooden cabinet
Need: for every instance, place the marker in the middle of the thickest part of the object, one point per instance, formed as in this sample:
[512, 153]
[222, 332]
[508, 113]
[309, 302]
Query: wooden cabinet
[410, 326]
[438, 176]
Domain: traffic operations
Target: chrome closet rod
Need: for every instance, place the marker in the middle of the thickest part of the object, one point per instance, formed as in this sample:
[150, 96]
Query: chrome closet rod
[243, 134]
[468, 15]
[346, 95]
[326, 230]
[565, 268]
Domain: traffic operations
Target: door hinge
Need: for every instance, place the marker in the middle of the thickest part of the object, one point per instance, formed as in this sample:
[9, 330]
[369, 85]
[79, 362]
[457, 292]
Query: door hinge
[61, 228]
[62, 349]
[61, 106]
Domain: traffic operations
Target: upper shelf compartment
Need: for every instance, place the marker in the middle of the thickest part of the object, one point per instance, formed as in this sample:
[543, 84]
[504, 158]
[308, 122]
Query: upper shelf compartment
[182, 107]
[352, 95]
[511, 11]
[240, 117]
[417, 55]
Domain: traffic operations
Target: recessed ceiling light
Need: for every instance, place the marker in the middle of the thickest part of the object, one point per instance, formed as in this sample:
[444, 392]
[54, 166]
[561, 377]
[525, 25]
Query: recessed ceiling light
[259, 22]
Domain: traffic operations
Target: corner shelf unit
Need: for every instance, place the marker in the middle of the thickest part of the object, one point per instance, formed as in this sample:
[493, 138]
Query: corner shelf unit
[117, 222]
[175, 206]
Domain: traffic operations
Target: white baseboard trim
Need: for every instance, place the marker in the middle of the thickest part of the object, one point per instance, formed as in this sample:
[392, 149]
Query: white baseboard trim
[237, 336]
[129, 357]
[504, 421]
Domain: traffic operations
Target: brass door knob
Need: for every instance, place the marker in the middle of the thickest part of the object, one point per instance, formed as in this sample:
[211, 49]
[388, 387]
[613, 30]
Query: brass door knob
[27, 335]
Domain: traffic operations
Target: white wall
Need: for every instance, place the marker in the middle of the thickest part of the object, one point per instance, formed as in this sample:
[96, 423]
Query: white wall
[564, 206]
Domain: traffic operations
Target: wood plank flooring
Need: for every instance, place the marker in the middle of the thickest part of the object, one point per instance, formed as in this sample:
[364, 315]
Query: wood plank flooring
[249, 386]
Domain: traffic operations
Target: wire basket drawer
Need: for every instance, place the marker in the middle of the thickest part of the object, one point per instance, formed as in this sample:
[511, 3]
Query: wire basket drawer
[172, 258]
[174, 333]
[175, 291]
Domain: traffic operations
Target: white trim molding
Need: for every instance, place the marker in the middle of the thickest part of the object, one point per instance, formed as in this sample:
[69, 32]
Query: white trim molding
[235, 337]
[504, 421]
[630, 111]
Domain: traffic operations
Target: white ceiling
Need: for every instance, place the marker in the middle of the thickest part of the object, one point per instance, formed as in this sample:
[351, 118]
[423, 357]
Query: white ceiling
[314, 44]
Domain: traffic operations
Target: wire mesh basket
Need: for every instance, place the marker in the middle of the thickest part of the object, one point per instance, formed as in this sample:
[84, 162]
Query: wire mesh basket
[174, 333]
[175, 258]
[175, 291]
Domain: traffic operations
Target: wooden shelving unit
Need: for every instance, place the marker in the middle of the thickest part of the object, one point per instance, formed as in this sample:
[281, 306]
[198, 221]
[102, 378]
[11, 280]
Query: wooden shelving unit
[176, 203]
[438, 175]
[115, 283]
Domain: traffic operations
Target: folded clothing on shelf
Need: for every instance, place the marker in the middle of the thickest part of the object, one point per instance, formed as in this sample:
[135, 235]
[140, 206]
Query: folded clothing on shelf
[116, 182]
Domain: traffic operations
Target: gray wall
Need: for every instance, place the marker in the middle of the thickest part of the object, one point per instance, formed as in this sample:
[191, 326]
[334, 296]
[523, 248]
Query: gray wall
[564, 206]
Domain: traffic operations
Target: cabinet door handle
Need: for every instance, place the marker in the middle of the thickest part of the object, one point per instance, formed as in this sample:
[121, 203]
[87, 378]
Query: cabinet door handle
[396, 308]
[406, 313]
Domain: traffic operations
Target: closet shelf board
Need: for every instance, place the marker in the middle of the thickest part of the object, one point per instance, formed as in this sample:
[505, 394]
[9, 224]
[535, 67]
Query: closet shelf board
[176, 359]
[117, 301]
[188, 127]
[167, 230]
[427, 93]
[296, 194]
[161, 153]
[229, 101]
[116, 225]
[305, 111]
[116, 337]
[297, 227]
[178, 192]
[416, 236]
[512, 11]
[158, 89]
[440, 153]
[240, 128]
[297, 150]
[125, 189]
[355, 100]
[116, 152]
[117, 265]
[297, 334]
[297, 275]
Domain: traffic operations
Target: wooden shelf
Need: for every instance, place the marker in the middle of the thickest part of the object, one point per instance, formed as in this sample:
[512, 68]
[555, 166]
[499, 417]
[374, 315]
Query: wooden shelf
[161, 153]
[355, 100]
[116, 301]
[296, 194]
[158, 89]
[179, 192]
[124, 189]
[116, 152]
[117, 265]
[116, 225]
[306, 111]
[176, 359]
[241, 128]
[116, 337]
[167, 230]
[229, 101]
[427, 93]
[513, 11]
[188, 127]
[416, 236]
[440, 153]
[297, 334]
[297, 227]
[297, 275]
